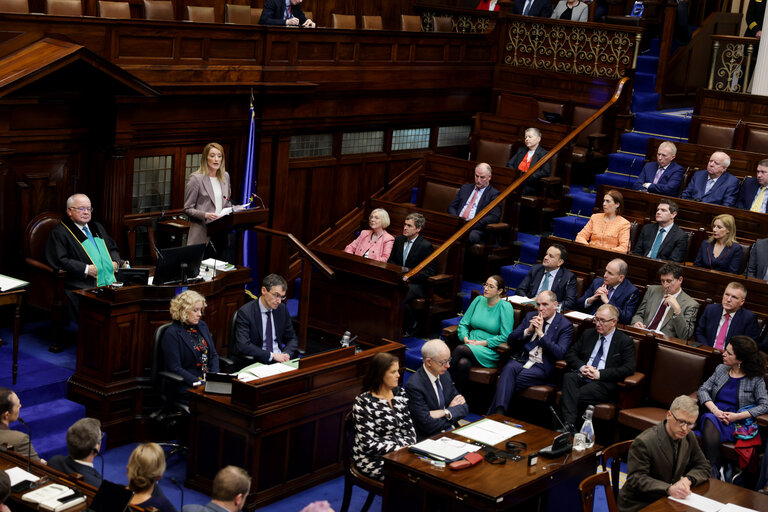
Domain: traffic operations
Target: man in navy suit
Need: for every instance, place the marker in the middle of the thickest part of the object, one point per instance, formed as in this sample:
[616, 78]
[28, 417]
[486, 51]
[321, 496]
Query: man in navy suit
[263, 328]
[231, 486]
[531, 153]
[754, 191]
[758, 260]
[284, 12]
[472, 198]
[540, 8]
[597, 362]
[83, 445]
[662, 176]
[720, 322]
[672, 241]
[541, 339]
[613, 288]
[409, 250]
[714, 185]
[433, 401]
[558, 279]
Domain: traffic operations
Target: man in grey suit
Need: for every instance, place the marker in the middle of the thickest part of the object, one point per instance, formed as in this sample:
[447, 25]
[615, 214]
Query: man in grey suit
[230, 489]
[757, 266]
[666, 307]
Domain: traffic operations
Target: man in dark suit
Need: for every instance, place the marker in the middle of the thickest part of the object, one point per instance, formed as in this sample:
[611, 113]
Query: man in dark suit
[287, 13]
[472, 198]
[551, 275]
[409, 250]
[539, 341]
[230, 487]
[613, 288]
[758, 260]
[433, 401]
[663, 240]
[528, 156]
[83, 445]
[720, 322]
[597, 362]
[263, 328]
[662, 176]
[540, 8]
[753, 195]
[714, 185]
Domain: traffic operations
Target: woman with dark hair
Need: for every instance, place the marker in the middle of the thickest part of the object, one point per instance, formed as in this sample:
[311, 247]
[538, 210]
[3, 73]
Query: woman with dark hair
[487, 322]
[735, 396]
[607, 230]
[382, 421]
[720, 252]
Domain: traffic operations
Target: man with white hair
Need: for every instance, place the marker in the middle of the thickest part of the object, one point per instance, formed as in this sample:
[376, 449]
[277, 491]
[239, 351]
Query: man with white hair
[662, 176]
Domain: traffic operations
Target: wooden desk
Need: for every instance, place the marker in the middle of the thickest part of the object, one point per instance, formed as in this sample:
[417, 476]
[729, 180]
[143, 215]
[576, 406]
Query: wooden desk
[716, 490]
[8, 298]
[286, 430]
[410, 480]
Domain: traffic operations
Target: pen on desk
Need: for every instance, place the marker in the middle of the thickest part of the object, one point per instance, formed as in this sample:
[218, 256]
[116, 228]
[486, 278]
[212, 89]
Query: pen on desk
[513, 424]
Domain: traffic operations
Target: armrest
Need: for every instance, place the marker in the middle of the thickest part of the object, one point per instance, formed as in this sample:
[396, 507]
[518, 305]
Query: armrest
[451, 330]
[497, 226]
[551, 180]
[561, 364]
[175, 377]
[41, 266]
[440, 279]
[450, 336]
[502, 347]
[226, 360]
[762, 421]
[632, 381]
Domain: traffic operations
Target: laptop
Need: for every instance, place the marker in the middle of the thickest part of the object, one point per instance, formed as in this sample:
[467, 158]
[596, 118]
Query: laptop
[111, 497]
[218, 383]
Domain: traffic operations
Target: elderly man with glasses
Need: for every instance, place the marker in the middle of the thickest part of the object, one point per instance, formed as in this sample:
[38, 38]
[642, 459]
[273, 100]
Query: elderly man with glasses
[263, 329]
[433, 401]
[665, 460]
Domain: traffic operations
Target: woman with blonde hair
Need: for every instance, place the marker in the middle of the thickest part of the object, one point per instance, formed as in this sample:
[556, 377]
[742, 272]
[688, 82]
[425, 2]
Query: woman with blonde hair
[146, 466]
[720, 252]
[207, 192]
[374, 243]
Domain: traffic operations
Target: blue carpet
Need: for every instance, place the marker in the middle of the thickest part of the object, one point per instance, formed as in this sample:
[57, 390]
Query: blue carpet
[626, 163]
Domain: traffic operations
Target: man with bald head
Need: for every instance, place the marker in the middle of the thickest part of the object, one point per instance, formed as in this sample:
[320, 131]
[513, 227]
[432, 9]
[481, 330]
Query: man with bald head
[433, 401]
[613, 288]
[714, 185]
[472, 198]
[231, 486]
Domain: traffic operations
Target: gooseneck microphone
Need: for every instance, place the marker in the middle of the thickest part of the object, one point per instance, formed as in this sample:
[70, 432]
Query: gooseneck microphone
[554, 415]
[29, 446]
[181, 490]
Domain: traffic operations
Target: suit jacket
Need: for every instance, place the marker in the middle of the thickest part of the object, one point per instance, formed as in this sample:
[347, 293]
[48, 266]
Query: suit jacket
[758, 259]
[531, 184]
[63, 252]
[554, 344]
[274, 12]
[181, 357]
[748, 193]
[580, 12]
[462, 196]
[625, 297]
[669, 183]
[540, 8]
[564, 285]
[728, 261]
[422, 399]
[723, 192]
[68, 465]
[742, 322]
[651, 468]
[673, 248]
[619, 364]
[249, 338]
[754, 17]
[198, 200]
[678, 326]
[378, 250]
[420, 249]
[19, 441]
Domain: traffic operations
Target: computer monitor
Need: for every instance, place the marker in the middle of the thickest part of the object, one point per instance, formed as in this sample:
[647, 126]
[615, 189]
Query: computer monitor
[129, 276]
[178, 264]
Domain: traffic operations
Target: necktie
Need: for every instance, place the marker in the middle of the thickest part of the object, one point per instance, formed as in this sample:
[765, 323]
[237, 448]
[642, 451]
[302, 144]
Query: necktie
[610, 292]
[708, 187]
[659, 315]
[543, 329]
[527, 7]
[470, 204]
[544, 283]
[440, 395]
[288, 11]
[89, 235]
[406, 250]
[757, 205]
[599, 355]
[658, 175]
[720, 341]
[657, 243]
[269, 341]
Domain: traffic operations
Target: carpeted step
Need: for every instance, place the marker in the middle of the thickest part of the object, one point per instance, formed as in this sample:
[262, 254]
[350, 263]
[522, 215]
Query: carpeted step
[513, 275]
[583, 202]
[612, 179]
[449, 321]
[568, 227]
[625, 163]
[648, 64]
[644, 101]
[655, 47]
[672, 125]
[645, 82]
[48, 423]
[635, 143]
[529, 250]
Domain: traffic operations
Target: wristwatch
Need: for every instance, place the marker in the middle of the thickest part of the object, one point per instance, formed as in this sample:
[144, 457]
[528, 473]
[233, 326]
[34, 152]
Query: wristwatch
[448, 414]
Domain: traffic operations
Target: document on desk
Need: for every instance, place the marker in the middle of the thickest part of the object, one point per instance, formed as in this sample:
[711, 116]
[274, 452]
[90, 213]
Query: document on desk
[700, 502]
[730, 507]
[223, 266]
[8, 283]
[16, 474]
[259, 371]
[444, 448]
[520, 300]
[578, 315]
[489, 432]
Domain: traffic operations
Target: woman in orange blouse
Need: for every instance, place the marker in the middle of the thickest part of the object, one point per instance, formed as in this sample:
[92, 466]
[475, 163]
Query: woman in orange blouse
[607, 230]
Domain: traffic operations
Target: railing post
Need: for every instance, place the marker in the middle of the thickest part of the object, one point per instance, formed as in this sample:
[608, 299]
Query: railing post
[670, 14]
[748, 72]
[715, 49]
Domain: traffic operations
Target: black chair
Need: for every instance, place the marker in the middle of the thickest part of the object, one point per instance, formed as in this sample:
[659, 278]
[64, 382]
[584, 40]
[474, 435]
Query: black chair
[352, 476]
[173, 416]
[240, 361]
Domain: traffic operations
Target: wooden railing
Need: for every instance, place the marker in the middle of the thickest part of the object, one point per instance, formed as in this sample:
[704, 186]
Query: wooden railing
[732, 63]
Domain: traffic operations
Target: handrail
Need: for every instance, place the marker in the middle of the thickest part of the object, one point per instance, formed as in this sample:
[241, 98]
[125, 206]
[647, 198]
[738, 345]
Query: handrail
[303, 249]
[501, 197]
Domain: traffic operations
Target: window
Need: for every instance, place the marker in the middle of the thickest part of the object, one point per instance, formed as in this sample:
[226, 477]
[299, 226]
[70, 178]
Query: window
[453, 136]
[362, 142]
[410, 138]
[192, 164]
[152, 183]
[303, 146]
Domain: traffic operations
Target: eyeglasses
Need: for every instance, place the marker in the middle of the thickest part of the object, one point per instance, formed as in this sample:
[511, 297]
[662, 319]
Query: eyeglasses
[599, 320]
[281, 298]
[82, 209]
[687, 424]
[444, 362]
[489, 285]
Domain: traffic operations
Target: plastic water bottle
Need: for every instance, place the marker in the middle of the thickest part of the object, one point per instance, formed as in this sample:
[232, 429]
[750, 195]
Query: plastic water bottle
[588, 429]
[345, 339]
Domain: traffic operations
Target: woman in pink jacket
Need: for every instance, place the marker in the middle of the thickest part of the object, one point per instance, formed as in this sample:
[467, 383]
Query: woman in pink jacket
[374, 243]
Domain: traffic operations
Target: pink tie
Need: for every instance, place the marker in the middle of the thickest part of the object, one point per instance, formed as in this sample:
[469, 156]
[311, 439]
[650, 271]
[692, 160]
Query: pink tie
[720, 341]
[470, 204]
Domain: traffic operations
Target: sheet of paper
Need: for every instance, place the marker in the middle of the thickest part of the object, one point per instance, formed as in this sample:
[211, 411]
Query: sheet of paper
[265, 370]
[518, 299]
[577, 315]
[16, 474]
[699, 502]
[730, 507]
[8, 283]
[446, 448]
[220, 265]
[489, 432]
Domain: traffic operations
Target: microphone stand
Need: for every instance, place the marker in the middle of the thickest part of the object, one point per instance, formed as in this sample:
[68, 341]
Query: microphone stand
[29, 447]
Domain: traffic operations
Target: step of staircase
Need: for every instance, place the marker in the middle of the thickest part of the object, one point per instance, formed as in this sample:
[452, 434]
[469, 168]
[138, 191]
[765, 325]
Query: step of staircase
[48, 423]
[647, 64]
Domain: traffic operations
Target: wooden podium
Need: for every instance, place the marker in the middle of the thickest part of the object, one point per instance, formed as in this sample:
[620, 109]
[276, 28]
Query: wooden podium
[238, 221]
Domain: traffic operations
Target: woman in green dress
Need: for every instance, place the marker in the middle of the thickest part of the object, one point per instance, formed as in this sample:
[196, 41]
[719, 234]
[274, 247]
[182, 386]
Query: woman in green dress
[486, 323]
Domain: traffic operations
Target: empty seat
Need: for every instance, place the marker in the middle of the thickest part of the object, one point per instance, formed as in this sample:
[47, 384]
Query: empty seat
[120, 10]
[14, 6]
[756, 140]
[64, 7]
[158, 10]
[238, 14]
[343, 21]
[372, 23]
[410, 23]
[442, 24]
[719, 136]
[255, 15]
[492, 152]
[200, 14]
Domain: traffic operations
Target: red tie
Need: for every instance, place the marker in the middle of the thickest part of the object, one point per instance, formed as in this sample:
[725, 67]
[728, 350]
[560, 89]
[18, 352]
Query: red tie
[720, 341]
[659, 315]
[470, 204]
[287, 11]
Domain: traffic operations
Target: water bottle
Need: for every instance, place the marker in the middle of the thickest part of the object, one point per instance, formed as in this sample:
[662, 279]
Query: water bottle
[588, 429]
[345, 339]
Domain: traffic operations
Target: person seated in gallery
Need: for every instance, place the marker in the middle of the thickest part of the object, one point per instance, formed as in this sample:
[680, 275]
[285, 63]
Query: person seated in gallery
[720, 251]
[528, 156]
[551, 275]
[663, 239]
[541, 339]
[187, 345]
[720, 322]
[613, 288]
[753, 195]
[539, 8]
[145, 468]
[488, 5]
[286, 13]
[263, 329]
[488, 321]
[382, 419]
[229, 491]
[607, 230]
[83, 445]
[573, 10]
[662, 176]
[9, 412]
[666, 307]
[374, 243]
[714, 185]
[472, 198]
[757, 265]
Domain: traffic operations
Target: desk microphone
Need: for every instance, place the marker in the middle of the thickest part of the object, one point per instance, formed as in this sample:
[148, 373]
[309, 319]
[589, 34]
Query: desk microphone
[215, 255]
[554, 415]
[260, 200]
[560, 445]
[29, 447]
[181, 490]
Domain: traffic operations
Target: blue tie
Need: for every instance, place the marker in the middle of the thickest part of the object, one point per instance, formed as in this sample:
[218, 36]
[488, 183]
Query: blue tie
[599, 355]
[527, 7]
[440, 395]
[657, 243]
[406, 250]
[708, 187]
[90, 236]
